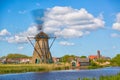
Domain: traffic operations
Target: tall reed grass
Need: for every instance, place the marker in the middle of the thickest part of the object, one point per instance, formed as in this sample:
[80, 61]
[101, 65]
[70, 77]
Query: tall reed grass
[111, 77]
[20, 68]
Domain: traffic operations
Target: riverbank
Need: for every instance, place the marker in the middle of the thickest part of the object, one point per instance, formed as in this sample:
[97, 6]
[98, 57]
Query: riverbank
[22, 68]
[111, 77]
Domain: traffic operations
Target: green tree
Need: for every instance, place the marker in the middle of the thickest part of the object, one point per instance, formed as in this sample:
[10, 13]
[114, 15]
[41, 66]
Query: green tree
[3, 57]
[67, 58]
[116, 60]
[16, 56]
[83, 57]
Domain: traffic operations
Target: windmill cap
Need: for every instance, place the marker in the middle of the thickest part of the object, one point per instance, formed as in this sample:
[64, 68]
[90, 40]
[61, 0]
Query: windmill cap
[41, 35]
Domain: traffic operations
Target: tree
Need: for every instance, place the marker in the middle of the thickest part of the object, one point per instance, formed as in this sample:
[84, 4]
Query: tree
[3, 57]
[67, 58]
[83, 57]
[16, 56]
[116, 60]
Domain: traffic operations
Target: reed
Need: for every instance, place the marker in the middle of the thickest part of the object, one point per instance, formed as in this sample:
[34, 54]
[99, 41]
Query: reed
[111, 77]
[20, 68]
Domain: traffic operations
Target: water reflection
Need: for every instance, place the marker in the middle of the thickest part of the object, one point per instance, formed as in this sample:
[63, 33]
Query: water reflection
[61, 75]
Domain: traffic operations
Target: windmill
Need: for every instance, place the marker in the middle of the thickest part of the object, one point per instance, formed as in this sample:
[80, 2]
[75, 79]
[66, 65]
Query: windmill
[41, 53]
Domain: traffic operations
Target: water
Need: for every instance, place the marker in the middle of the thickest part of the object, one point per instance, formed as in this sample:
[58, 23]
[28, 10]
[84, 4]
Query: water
[62, 75]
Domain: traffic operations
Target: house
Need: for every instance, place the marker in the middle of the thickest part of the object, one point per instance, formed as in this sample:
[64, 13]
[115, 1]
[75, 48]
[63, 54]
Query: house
[1, 60]
[98, 56]
[56, 59]
[12, 60]
[106, 58]
[15, 60]
[24, 60]
[83, 62]
[91, 57]
[73, 63]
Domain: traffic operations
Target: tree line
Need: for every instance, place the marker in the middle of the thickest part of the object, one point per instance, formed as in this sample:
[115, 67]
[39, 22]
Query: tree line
[115, 61]
[15, 55]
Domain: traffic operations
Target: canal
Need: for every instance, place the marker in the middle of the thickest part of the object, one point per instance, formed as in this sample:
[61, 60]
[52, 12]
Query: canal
[62, 75]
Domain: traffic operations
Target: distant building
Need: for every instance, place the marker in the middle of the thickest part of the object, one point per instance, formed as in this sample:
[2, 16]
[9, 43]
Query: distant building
[91, 57]
[12, 60]
[73, 63]
[56, 59]
[98, 54]
[15, 60]
[106, 58]
[83, 62]
[1, 60]
[24, 60]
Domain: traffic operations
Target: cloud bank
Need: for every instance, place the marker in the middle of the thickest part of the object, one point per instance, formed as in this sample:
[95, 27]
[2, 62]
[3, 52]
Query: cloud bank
[63, 22]
[68, 22]
[116, 25]
[22, 36]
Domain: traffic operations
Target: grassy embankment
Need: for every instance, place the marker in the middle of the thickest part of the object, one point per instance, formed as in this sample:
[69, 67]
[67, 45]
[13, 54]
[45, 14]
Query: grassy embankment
[112, 77]
[21, 68]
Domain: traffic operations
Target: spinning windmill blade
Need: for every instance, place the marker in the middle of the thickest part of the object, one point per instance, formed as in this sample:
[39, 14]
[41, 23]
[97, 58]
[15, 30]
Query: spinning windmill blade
[38, 18]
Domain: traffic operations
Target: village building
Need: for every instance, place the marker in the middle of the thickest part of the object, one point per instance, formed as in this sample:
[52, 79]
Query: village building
[56, 59]
[83, 62]
[94, 57]
[80, 62]
[91, 57]
[15, 60]
[25, 60]
[98, 56]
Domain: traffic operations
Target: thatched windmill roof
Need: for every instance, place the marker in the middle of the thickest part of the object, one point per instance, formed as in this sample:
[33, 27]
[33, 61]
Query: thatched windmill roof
[41, 35]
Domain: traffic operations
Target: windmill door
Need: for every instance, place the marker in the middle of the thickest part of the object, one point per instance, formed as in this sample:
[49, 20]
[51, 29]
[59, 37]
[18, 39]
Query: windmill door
[37, 61]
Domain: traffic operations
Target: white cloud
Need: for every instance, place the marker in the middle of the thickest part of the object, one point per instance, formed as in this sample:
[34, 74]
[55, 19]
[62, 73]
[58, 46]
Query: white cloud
[70, 22]
[22, 36]
[69, 33]
[115, 35]
[20, 47]
[16, 39]
[65, 43]
[4, 32]
[116, 25]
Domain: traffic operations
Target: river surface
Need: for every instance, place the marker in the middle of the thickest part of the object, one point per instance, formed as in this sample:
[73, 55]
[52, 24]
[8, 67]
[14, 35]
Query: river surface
[62, 75]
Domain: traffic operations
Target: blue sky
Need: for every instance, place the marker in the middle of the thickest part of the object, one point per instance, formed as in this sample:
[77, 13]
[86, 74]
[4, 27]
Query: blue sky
[82, 26]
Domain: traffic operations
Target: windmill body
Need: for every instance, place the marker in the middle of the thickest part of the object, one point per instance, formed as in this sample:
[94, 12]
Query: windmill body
[41, 53]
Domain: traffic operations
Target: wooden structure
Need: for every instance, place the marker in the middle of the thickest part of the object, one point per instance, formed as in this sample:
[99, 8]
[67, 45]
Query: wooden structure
[41, 53]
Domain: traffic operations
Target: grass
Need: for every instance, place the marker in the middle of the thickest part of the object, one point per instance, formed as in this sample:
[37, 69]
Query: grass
[21, 68]
[111, 77]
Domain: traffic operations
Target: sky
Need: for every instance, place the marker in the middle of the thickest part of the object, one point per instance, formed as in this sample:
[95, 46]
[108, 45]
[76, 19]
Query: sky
[81, 26]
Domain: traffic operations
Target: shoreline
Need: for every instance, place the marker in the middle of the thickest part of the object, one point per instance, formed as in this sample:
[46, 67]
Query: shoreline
[24, 68]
